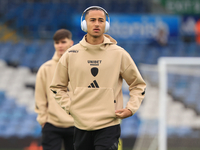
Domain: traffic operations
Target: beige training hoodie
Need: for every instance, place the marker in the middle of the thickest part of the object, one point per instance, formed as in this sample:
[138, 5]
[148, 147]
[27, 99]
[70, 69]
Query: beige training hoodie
[96, 73]
[47, 108]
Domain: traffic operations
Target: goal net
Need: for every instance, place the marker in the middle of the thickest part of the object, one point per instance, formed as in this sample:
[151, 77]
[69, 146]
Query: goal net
[170, 112]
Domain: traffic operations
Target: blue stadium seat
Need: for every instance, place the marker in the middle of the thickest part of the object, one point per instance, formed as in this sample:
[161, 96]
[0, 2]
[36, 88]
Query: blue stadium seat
[181, 87]
[17, 54]
[5, 50]
[3, 125]
[152, 55]
[184, 131]
[165, 51]
[191, 50]
[179, 50]
[171, 80]
[37, 131]
[2, 96]
[171, 132]
[138, 54]
[130, 126]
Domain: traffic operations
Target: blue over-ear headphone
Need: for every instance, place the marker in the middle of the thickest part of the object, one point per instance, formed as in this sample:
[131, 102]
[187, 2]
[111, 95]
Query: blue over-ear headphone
[84, 24]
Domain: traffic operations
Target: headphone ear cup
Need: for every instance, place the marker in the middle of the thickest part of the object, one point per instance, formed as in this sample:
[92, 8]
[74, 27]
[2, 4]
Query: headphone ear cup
[107, 27]
[84, 26]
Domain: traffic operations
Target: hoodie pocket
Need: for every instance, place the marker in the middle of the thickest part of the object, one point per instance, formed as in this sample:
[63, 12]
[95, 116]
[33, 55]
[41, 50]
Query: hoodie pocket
[92, 105]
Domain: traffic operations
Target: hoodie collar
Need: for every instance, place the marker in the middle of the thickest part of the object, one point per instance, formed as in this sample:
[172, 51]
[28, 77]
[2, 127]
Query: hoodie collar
[108, 40]
[55, 57]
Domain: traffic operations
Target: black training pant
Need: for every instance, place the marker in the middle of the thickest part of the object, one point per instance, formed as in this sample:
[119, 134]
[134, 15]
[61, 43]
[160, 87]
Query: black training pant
[52, 137]
[102, 139]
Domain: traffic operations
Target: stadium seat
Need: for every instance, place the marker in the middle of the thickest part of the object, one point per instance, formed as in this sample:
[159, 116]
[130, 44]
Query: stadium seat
[5, 50]
[152, 55]
[130, 126]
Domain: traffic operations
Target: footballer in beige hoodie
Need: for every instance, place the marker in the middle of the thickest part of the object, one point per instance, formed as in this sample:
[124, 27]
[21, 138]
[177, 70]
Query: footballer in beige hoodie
[96, 67]
[56, 124]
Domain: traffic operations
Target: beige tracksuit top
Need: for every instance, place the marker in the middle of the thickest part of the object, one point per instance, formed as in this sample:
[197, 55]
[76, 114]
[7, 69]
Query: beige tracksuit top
[96, 73]
[47, 108]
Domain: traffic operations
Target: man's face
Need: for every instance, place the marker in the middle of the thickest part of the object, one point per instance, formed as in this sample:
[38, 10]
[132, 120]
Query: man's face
[96, 21]
[62, 45]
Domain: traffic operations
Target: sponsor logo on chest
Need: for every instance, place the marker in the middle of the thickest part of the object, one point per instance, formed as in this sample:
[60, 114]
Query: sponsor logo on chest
[94, 62]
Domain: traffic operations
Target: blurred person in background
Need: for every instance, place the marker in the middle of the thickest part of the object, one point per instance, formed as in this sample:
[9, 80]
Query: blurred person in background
[160, 38]
[57, 125]
[161, 35]
[188, 29]
[197, 31]
[96, 67]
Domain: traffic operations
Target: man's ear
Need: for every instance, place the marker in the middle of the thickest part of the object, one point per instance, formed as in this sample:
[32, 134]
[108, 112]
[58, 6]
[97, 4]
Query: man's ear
[72, 43]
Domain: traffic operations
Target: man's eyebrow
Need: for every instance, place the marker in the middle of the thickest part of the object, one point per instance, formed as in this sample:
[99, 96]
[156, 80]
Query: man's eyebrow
[97, 18]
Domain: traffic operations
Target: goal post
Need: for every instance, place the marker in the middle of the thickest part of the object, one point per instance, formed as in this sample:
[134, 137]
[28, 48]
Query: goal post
[163, 62]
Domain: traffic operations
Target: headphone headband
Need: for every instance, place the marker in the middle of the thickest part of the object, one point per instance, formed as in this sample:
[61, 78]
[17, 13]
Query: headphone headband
[94, 7]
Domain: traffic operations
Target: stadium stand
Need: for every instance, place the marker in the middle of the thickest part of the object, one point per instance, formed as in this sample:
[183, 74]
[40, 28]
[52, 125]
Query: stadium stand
[20, 60]
[34, 20]
[28, 56]
[17, 103]
[33, 54]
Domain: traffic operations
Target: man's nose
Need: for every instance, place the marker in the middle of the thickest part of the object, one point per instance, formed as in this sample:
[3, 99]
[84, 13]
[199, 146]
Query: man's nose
[97, 23]
[60, 45]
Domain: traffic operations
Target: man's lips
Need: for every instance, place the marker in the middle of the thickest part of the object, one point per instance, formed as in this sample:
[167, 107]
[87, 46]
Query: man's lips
[96, 29]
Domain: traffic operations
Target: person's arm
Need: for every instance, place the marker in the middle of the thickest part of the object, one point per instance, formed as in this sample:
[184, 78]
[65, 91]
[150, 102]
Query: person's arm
[41, 102]
[59, 84]
[131, 74]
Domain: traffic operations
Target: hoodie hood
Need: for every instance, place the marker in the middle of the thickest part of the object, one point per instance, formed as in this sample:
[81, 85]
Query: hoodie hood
[108, 40]
[55, 57]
